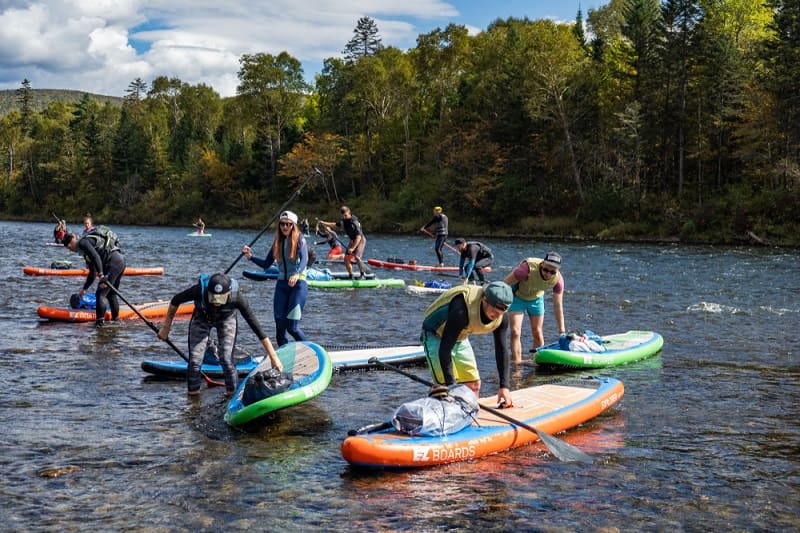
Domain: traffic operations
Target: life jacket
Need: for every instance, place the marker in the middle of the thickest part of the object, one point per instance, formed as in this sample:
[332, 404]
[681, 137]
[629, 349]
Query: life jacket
[436, 314]
[534, 287]
[106, 240]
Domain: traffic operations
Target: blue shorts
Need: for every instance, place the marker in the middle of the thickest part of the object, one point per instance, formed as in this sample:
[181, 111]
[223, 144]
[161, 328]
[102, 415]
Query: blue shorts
[528, 307]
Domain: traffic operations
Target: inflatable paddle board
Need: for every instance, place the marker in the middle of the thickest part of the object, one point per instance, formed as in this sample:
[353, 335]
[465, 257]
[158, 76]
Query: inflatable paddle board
[619, 349]
[195, 234]
[342, 360]
[551, 408]
[149, 310]
[130, 271]
[355, 283]
[316, 274]
[311, 370]
[414, 266]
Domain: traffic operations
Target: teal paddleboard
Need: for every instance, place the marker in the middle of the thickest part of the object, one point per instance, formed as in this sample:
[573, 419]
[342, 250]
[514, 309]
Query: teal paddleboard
[311, 369]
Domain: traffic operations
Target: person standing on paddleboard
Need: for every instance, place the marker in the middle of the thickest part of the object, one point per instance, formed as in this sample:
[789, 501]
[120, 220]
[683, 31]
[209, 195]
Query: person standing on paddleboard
[446, 327]
[200, 225]
[216, 300]
[530, 279]
[473, 258]
[439, 225]
[355, 248]
[105, 262]
[290, 252]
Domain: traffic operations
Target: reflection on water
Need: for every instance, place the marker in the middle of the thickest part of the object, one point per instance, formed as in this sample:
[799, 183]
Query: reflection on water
[705, 438]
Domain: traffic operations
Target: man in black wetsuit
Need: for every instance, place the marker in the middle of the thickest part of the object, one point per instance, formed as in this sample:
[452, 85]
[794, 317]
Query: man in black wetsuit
[474, 257]
[216, 300]
[105, 262]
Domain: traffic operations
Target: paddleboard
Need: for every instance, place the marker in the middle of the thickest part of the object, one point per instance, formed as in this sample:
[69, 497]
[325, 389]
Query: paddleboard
[130, 271]
[148, 310]
[311, 371]
[195, 234]
[406, 266]
[342, 360]
[355, 283]
[319, 275]
[620, 348]
[551, 408]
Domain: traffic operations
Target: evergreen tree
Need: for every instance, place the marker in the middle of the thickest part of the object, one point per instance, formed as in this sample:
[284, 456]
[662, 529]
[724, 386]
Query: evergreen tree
[24, 99]
[365, 41]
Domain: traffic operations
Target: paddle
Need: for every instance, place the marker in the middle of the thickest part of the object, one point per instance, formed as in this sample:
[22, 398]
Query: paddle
[210, 382]
[559, 448]
[276, 215]
[429, 234]
[369, 428]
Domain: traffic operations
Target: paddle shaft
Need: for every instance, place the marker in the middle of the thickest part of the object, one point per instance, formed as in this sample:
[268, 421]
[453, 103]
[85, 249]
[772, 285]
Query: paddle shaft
[429, 234]
[210, 382]
[562, 450]
[276, 215]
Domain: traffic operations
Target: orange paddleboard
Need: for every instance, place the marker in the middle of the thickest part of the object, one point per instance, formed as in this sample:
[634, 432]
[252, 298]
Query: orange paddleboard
[550, 408]
[148, 310]
[131, 271]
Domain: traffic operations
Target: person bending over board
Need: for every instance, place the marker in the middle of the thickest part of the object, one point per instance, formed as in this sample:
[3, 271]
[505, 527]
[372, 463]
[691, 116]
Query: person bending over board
[532, 277]
[474, 256]
[449, 321]
[216, 300]
[105, 262]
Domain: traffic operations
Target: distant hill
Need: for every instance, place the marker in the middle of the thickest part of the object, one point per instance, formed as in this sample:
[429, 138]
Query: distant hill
[43, 97]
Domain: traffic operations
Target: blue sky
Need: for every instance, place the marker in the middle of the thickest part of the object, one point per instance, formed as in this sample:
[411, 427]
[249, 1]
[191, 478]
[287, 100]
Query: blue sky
[101, 46]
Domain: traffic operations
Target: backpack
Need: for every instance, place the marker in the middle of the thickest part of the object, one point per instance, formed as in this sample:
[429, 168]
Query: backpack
[265, 384]
[435, 417]
[106, 236]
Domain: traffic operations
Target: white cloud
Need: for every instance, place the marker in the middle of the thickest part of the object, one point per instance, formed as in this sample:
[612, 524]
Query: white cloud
[90, 45]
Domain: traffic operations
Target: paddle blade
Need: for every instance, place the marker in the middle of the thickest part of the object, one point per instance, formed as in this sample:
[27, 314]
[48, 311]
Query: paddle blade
[562, 450]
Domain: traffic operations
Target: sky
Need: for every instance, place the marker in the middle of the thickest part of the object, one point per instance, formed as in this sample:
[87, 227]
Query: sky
[101, 46]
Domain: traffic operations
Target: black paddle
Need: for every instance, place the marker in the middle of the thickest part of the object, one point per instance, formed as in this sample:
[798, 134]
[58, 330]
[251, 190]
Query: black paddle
[316, 172]
[210, 382]
[369, 428]
[559, 448]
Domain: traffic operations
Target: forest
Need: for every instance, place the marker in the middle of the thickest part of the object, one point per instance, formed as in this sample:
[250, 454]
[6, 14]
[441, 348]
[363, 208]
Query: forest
[673, 120]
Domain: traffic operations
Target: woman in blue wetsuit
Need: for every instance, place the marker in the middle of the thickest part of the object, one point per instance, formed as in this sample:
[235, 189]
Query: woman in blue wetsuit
[290, 252]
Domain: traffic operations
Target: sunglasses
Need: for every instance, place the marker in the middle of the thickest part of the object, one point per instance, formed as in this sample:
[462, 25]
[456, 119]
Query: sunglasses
[286, 224]
[549, 271]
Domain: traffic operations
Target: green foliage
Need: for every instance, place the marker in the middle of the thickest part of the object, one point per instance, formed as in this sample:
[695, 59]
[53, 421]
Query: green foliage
[679, 120]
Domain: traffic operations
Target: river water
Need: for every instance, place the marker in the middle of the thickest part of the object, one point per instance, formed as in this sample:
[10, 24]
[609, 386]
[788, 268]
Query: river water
[706, 437]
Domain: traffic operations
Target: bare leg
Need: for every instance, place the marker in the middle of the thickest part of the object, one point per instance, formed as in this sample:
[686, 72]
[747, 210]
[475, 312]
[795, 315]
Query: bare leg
[515, 325]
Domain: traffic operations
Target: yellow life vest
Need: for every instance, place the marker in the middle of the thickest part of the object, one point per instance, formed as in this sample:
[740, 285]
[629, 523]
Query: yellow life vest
[534, 287]
[436, 314]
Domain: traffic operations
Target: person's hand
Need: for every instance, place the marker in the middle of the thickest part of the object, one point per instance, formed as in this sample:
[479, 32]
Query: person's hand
[102, 280]
[504, 398]
[293, 279]
[247, 252]
[276, 363]
[439, 392]
[81, 293]
[163, 333]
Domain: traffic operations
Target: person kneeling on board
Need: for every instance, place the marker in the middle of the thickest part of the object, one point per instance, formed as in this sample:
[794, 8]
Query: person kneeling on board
[449, 321]
[216, 300]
